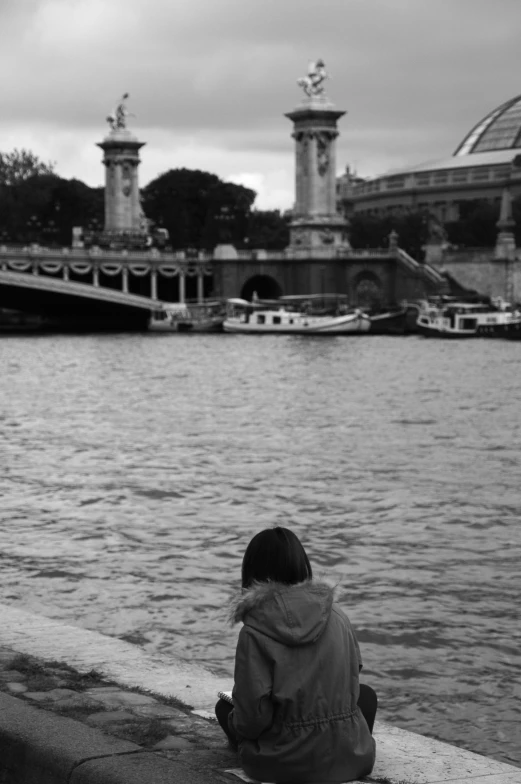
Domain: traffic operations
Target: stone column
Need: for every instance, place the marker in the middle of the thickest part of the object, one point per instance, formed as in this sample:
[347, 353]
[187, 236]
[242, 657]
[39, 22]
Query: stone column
[135, 200]
[316, 223]
[200, 286]
[311, 202]
[506, 241]
[182, 288]
[118, 205]
[122, 205]
[153, 284]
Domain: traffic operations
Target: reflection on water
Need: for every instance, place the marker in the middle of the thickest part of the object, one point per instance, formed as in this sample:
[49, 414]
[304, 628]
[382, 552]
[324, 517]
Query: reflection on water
[138, 467]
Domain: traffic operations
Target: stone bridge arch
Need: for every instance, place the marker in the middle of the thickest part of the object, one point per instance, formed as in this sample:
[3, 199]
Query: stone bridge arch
[368, 290]
[265, 286]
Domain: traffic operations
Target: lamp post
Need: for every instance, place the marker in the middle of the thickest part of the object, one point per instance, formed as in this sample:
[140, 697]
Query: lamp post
[49, 232]
[34, 225]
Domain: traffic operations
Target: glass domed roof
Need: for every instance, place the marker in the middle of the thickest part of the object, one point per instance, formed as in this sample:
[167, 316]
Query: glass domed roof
[499, 130]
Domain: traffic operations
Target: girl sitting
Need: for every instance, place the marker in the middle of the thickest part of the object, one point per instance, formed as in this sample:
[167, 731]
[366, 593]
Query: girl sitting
[299, 713]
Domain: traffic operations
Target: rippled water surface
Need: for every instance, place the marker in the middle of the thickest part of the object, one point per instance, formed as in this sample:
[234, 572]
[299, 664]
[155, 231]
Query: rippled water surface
[135, 469]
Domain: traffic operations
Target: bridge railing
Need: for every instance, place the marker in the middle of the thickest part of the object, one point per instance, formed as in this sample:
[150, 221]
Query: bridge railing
[156, 257]
[38, 251]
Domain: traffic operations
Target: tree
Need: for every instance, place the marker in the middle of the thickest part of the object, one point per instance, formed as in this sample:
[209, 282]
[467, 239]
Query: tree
[74, 203]
[44, 207]
[372, 231]
[197, 208]
[476, 227]
[268, 229]
[19, 165]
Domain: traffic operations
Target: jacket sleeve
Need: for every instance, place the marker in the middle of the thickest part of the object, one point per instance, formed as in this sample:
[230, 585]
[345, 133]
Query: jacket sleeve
[253, 708]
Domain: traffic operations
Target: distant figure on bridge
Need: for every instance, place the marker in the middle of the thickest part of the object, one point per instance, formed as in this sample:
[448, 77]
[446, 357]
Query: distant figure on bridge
[118, 118]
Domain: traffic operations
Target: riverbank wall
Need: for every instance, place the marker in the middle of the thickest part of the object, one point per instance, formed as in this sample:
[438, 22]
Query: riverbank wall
[478, 269]
[77, 707]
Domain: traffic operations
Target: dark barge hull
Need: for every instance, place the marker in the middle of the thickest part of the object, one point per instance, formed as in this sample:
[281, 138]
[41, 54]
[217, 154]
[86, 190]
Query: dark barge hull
[497, 331]
[391, 323]
[513, 332]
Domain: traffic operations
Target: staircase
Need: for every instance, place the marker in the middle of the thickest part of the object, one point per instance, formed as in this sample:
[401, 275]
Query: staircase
[433, 278]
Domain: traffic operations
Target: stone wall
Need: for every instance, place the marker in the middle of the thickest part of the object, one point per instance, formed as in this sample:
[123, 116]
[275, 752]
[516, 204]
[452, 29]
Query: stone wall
[277, 277]
[478, 269]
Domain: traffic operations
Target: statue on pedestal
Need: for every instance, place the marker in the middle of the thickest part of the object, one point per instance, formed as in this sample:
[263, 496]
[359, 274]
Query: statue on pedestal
[118, 118]
[312, 84]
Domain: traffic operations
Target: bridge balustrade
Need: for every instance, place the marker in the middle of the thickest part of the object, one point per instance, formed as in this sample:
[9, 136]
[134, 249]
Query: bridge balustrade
[60, 263]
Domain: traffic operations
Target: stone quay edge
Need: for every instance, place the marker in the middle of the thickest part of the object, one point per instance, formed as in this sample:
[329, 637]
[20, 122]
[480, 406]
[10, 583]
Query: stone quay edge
[84, 708]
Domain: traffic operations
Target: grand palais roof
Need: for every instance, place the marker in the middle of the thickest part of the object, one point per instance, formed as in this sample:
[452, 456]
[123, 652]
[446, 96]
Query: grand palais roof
[493, 141]
[499, 130]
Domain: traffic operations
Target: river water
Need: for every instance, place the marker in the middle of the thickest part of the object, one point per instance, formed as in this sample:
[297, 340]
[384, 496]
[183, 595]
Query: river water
[135, 469]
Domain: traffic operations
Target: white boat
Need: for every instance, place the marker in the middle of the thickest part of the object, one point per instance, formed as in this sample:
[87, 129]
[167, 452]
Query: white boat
[456, 319]
[296, 315]
[207, 316]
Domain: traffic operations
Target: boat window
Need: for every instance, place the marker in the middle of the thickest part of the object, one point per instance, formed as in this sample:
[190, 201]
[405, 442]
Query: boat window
[261, 318]
[468, 323]
[276, 319]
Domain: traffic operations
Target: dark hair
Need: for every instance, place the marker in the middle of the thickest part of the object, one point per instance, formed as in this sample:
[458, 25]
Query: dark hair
[275, 554]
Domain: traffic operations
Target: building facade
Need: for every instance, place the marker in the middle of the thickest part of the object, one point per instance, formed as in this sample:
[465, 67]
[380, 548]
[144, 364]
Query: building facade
[483, 164]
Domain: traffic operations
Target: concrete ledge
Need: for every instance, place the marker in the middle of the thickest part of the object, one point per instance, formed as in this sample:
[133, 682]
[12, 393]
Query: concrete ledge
[144, 768]
[39, 747]
[115, 659]
[43, 747]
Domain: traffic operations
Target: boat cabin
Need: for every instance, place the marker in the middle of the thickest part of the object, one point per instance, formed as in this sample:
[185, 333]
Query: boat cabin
[466, 318]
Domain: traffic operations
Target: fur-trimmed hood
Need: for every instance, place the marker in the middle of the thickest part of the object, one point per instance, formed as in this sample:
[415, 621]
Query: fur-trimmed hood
[291, 614]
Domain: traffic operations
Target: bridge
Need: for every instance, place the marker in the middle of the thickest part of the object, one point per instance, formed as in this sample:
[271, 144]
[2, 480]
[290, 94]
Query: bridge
[376, 277]
[103, 289]
[97, 289]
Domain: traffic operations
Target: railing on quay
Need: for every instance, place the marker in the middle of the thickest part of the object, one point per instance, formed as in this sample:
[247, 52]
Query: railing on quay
[425, 269]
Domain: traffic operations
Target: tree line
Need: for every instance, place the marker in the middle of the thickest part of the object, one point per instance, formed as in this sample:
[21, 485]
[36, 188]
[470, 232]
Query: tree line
[199, 210]
[475, 228]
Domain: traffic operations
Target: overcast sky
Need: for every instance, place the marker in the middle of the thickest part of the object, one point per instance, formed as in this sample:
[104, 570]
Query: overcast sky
[210, 80]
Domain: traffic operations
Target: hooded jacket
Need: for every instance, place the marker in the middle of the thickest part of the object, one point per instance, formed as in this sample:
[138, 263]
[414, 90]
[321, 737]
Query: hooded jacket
[296, 687]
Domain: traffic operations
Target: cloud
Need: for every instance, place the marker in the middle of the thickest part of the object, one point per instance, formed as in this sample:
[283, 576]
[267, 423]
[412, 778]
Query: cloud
[210, 80]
